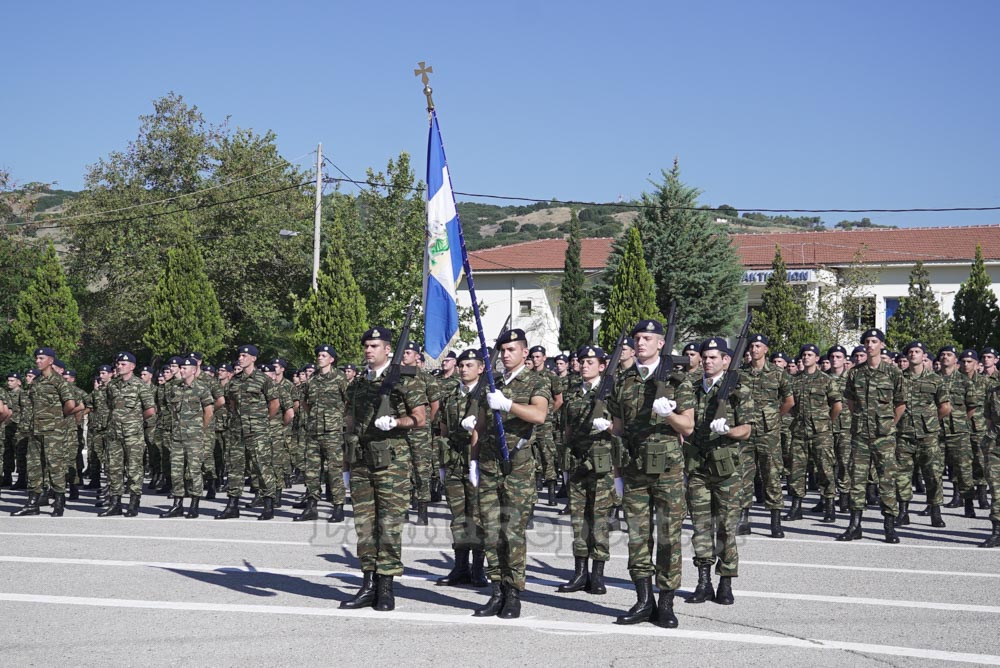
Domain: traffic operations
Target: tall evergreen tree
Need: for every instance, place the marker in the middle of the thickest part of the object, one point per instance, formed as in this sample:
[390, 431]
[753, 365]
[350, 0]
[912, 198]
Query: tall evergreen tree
[576, 308]
[335, 312]
[632, 296]
[977, 317]
[919, 316]
[47, 313]
[781, 315]
[184, 311]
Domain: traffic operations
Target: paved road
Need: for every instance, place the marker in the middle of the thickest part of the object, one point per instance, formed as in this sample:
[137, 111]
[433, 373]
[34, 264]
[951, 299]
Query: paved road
[162, 592]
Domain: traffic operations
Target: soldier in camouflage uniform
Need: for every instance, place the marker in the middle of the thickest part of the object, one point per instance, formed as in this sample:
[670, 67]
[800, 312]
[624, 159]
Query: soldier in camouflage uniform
[97, 424]
[817, 406]
[968, 363]
[380, 468]
[588, 441]
[761, 453]
[917, 448]
[422, 452]
[992, 446]
[281, 425]
[507, 488]
[324, 397]
[222, 431]
[130, 402]
[545, 445]
[170, 374]
[459, 413]
[955, 430]
[877, 398]
[841, 427]
[147, 376]
[24, 429]
[191, 406]
[11, 400]
[51, 401]
[74, 439]
[712, 463]
[651, 418]
[208, 472]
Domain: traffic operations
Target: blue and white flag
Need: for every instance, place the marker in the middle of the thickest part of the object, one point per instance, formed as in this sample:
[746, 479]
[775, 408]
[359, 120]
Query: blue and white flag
[443, 254]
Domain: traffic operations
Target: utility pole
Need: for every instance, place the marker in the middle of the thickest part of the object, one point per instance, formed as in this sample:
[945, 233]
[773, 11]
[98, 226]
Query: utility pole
[319, 209]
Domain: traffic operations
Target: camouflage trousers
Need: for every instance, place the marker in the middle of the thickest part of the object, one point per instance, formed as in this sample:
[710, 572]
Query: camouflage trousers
[381, 499]
[715, 510]
[879, 455]
[280, 437]
[21, 453]
[125, 454]
[297, 448]
[97, 449]
[979, 458]
[992, 446]
[762, 453]
[163, 441]
[655, 498]
[842, 452]
[921, 454]
[187, 453]
[590, 503]
[816, 447]
[328, 447]
[421, 462]
[74, 454]
[545, 445]
[258, 445]
[505, 504]
[207, 454]
[958, 457]
[236, 463]
[786, 447]
[463, 501]
[9, 443]
[44, 460]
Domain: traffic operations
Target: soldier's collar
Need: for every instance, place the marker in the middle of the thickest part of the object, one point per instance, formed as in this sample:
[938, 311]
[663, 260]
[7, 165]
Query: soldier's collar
[375, 374]
[507, 377]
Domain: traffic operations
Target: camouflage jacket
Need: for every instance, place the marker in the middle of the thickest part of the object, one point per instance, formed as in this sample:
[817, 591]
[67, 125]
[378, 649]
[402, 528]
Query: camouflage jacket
[324, 399]
[980, 385]
[127, 400]
[578, 401]
[769, 386]
[25, 413]
[843, 422]
[520, 389]
[814, 394]
[251, 394]
[963, 399]
[100, 412]
[876, 393]
[47, 396]
[925, 392]
[458, 404]
[187, 404]
[557, 385]
[363, 404]
[740, 410]
[992, 410]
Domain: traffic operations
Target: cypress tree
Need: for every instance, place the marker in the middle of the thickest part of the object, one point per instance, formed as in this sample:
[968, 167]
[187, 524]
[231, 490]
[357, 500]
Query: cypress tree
[781, 316]
[576, 309]
[633, 294]
[335, 312]
[977, 317]
[184, 311]
[919, 316]
[47, 312]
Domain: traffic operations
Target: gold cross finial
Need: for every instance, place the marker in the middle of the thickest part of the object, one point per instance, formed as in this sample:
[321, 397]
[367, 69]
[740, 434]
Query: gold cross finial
[422, 72]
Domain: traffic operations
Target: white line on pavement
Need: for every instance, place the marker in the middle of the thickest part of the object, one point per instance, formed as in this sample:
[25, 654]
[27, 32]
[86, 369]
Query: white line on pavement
[527, 623]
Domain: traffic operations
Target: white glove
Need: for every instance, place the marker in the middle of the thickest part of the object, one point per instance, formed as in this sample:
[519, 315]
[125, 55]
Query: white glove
[469, 423]
[620, 487]
[664, 406]
[386, 423]
[601, 424]
[441, 474]
[498, 401]
[474, 472]
[719, 426]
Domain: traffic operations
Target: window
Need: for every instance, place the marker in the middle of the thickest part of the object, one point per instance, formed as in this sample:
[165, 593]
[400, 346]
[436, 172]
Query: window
[525, 307]
[891, 306]
[859, 313]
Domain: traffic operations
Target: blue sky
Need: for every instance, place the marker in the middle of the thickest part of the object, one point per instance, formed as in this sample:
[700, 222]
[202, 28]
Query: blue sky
[767, 105]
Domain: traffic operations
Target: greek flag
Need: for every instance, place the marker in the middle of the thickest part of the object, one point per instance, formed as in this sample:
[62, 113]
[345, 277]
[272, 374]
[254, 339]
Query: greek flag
[443, 254]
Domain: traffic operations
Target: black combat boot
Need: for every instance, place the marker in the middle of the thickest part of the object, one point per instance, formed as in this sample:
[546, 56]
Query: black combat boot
[479, 578]
[21, 482]
[854, 528]
[994, 538]
[562, 492]
[277, 499]
[114, 507]
[578, 581]
[903, 519]
[596, 586]
[435, 490]
[337, 515]
[165, 485]
[495, 603]
[551, 489]
[59, 505]
[820, 506]
[192, 513]
[956, 500]
[422, 519]
[829, 510]
[210, 489]
[724, 594]
[564, 510]
[984, 501]
[776, 531]
[385, 600]
[970, 509]
[308, 513]
[871, 495]
[133, 506]
[95, 477]
[365, 598]
[704, 592]
[643, 609]
[301, 501]
[176, 510]
[844, 502]
[511, 603]
[795, 510]
[232, 509]
[889, 527]
[256, 502]
[29, 508]
[268, 512]
[460, 572]
[743, 524]
[74, 493]
[665, 616]
[935, 513]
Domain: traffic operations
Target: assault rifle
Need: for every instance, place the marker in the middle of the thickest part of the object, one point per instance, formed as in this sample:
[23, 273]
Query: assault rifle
[599, 405]
[667, 358]
[395, 370]
[732, 374]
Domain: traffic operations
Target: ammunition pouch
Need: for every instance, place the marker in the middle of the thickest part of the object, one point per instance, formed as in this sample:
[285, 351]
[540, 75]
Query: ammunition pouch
[599, 460]
[378, 455]
[351, 447]
[723, 461]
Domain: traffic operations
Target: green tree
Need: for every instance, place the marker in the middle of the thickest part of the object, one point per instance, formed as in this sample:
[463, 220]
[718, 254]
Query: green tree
[47, 313]
[919, 316]
[781, 315]
[335, 312]
[850, 291]
[576, 308]
[976, 315]
[632, 296]
[184, 311]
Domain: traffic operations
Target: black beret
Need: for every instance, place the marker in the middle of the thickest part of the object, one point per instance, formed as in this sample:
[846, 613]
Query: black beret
[988, 351]
[759, 338]
[858, 349]
[810, 348]
[947, 349]
[511, 335]
[44, 350]
[451, 355]
[649, 327]
[877, 333]
[780, 356]
[691, 347]
[715, 343]
[837, 349]
[629, 341]
[471, 354]
[969, 354]
[125, 357]
[591, 351]
[536, 349]
[377, 334]
[249, 349]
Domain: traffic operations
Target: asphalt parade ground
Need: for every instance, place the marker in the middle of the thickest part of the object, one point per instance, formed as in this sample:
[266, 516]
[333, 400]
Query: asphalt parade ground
[165, 592]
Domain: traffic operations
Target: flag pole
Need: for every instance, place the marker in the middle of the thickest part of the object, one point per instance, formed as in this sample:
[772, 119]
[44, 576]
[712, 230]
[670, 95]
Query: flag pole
[435, 128]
